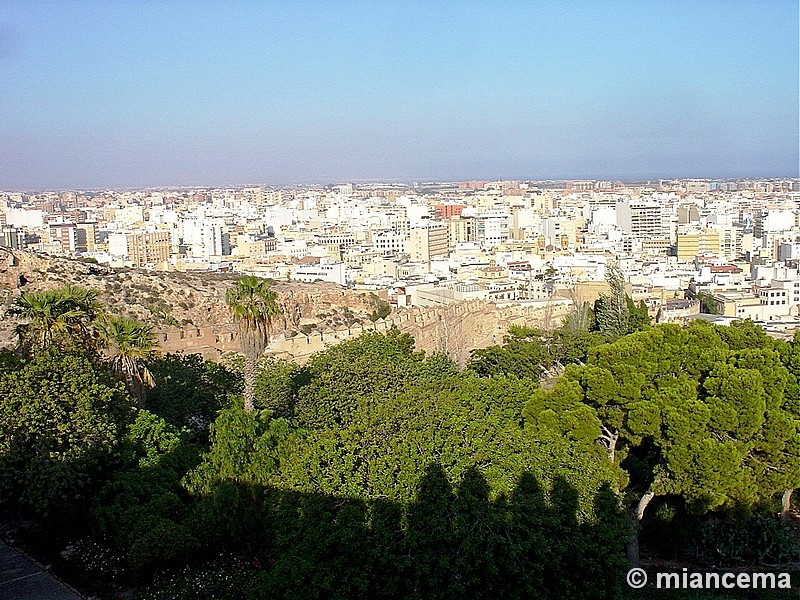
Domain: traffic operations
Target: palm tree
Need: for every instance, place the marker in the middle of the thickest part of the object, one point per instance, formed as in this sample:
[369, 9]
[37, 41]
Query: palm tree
[61, 316]
[253, 306]
[130, 343]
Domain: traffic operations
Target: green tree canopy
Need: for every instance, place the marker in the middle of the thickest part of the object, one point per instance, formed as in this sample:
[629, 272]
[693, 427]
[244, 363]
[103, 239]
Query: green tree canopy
[64, 316]
[694, 412]
[61, 420]
[368, 369]
[189, 391]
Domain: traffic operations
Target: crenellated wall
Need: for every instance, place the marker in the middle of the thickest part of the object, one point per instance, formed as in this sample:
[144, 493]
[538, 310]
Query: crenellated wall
[199, 300]
[453, 329]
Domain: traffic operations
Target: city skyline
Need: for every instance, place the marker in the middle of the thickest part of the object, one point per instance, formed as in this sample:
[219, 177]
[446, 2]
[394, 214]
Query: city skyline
[203, 94]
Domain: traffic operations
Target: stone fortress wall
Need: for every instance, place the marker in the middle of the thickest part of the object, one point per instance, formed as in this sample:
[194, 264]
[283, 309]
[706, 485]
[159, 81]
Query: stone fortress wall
[197, 302]
[453, 329]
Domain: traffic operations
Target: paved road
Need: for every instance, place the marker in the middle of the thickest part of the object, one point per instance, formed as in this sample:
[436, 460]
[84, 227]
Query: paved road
[20, 579]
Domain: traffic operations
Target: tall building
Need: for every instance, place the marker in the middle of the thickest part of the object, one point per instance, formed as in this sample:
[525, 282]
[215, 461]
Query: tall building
[446, 210]
[85, 237]
[11, 237]
[140, 247]
[428, 242]
[64, 234]
[206, 237]
[492, 230]
[388, 243]
[696, 242]
[642, 220]
[730, 239]
[560, 232]
[461, 229]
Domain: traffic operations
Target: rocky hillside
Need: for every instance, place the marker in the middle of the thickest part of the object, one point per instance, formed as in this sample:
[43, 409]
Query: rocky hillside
[172, 300]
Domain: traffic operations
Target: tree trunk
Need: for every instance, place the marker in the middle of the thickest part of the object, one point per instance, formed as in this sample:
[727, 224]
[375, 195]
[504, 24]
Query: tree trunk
[642, 506]
[635, 518]
[632, 545]
[786, 504]
[612, 448]
[611, 440]
[249, 384]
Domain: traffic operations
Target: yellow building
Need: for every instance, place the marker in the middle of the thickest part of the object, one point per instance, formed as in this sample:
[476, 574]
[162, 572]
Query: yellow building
[696, 243]
[461, 229]
[655, 246]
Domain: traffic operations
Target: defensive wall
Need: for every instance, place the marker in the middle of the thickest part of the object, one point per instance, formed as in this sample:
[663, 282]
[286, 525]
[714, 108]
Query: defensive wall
[453, 329]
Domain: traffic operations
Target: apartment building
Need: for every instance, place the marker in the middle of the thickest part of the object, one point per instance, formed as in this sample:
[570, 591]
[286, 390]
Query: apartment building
[492, 228]
[86, 237]
[642, 220]
[460, 230]
[65, 236]
[428, 242]
[696, 242]
[11, 237]
[140, 247]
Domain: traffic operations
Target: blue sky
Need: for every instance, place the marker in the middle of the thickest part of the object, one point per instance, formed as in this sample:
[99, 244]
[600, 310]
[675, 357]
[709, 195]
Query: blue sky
[138, 93]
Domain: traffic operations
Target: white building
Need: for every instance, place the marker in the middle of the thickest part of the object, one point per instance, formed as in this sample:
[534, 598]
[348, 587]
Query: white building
[492, 229]
[333, 272]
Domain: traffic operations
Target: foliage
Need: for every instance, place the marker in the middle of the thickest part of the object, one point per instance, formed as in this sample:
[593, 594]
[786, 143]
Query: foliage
[524, 354]
[376, 471]
[94, 561]
[61, 419]
[278, 384]
[253, 306]
[707, 303]
[382, 308]
[696, 412]
[244, 450]
[359, 506]
[445, 542]
[140, 510]
[370, 368]
[615, 314]
[758, 539]
[130, 343]
[530, 353]
[225, 578]
[8, 361]
[189, 391]
[62, 316]
[611, 310]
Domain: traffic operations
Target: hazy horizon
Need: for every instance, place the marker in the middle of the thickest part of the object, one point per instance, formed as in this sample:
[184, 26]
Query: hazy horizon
[405, 182]
[202, 94]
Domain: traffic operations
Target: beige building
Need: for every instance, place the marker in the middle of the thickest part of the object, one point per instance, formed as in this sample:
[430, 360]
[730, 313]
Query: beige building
[141, 247]
[428, 242]
[697, 242]
[86, 237]
[460, 230]
[730, 239]
[64, 235]
[655, 246]
[744, 305]
[560, 231]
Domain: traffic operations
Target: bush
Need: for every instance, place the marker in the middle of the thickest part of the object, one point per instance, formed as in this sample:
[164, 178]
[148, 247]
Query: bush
[222, 579]
[758, 539]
